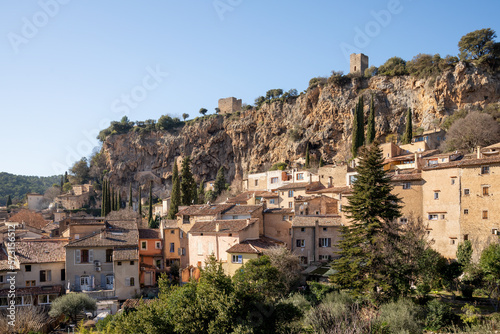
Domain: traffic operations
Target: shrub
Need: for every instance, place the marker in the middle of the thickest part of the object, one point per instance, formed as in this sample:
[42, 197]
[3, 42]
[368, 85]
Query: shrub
[338, 78]
[166, 123]
[319, 290]
[279, 166]
[402, 316]
[371, 71]
[470, 314]
[318, 81]
[294, 134]
[439, 315]
[71, 305]
[393, 67]
[448, 121]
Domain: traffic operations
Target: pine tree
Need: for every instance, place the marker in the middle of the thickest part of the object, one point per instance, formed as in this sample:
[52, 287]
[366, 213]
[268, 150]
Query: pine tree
[108, 197]
[140, 201]
[9, 201]
[307, 156]
[187, 183]
[201, 192]
[150, 211]
[130, 203]
[220, 182]
[371, 207]
[370, 131]
[408, 135]
[175, 196]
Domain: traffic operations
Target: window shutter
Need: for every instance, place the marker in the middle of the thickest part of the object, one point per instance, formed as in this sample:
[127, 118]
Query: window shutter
[77, 256]
[127, 281]
[77, 282]
[92, 281]
[49, 275]
[91, 255]
[41, 276]
[179, 251]
[103, 281]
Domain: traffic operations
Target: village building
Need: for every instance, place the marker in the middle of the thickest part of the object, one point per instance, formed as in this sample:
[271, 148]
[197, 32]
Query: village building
[278, 225]
[247, 250]
[174, 243]
[150, 255]
[35, 201]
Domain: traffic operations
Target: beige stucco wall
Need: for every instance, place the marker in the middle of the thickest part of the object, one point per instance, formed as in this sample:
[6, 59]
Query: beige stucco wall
[211, 243]
[34, 275]
[277, 228]
[74, 269]
[126, 270]
[333, 175]
[230, 268]
[311, 235]
[444, 231]
[411, 199]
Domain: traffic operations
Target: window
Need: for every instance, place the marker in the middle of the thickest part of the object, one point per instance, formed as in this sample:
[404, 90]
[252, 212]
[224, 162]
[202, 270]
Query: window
[403, 220]
[130, 281]
[433, 217]
[452, 241]
[436, 195]
[485, 169]
[200, 248]
[235, 217]
[84, 255]
[119, 263]
[302, 229]
[452, 181]
[466, 237]
[24, 300]
[132, 263]
[290, 193]
[63, 274]
[494, 231]
[485, 214]
[407, 185]
[325, 229]
[158, 264]
[443, 216]
[46, 299]
[27, 268]
[466, 192]
[1, 279]
[237, 259]
[271, 201]
[109, 255]
[300, 176]
[144, 245]
[301, 243]
[256, 182]
[290, 205]
[284, 218]
[45, 275]
[158, 244]
[466, 211]
[172, 247]
[486, 190]
[30, 283]
[325, 242]
[172, 232]
[303, 260]
[274, 180]
[325, 257]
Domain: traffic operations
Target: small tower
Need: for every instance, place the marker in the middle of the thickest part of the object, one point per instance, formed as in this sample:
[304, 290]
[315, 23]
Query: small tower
[359, 63]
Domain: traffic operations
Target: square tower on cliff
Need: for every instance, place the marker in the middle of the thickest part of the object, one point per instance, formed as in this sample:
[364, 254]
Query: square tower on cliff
[229, 105]
[359, 63]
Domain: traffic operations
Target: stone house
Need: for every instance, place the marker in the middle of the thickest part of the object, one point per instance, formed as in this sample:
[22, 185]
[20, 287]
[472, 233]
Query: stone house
[433, 138]
[172, 236]
[272, 180]
[105, 264]
[408, 186]
[35, 201]
[245, 251]
[278, 225]
[289, 192]
[150, 256]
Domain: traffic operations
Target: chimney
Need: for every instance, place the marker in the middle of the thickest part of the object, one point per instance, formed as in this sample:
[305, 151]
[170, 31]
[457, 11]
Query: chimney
[416, 161]
[479, 154]
[310, 178]
[217, 227]
[329, 182]
[248, 221]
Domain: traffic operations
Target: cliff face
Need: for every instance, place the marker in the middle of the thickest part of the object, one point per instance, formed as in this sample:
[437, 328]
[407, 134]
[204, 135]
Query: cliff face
[254, 139]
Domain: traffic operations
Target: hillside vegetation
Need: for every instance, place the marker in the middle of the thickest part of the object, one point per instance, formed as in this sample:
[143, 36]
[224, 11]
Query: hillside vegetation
[17, 186]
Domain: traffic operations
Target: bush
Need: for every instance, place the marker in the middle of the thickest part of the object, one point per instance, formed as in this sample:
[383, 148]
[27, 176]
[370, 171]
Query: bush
[402, 316]
[393, 67]
[470, 314]
[166, 123]
[318, 81]
[448, 121]
[71, 305]
[371, 71]
[294, 134]
[338, 78]
[319, 290]
[439, 315]
[279, 166]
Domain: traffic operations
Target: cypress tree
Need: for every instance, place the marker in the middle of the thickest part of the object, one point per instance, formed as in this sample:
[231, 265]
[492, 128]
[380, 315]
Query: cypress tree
[361, 122]
[66, 177]
[62, 182]
[113, 204]
[187, 182]
[9, 201]
[140, 201]
[220, 182]
[103, 200]
[358, 133]
[150, 212]
[175, 196]
[130, 203]
[108, 197]
[408, 135]
[370, 131]
[307, 155]
[321, 163]
[119, 201]
[201, 192]
[371, 208]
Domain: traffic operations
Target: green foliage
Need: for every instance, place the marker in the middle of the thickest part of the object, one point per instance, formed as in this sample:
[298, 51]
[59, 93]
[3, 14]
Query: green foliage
[9, 201]
[203, 111]
[493, 109]
[371, 71]
[150, 210]
[439, 315]
[338, 78]
[175, 196]
[71, 305]
[185, 115]
[393, 67]
[200, 193]
[294, 134]
[448, 121]
[408, 134]
[307, 156]
[470, 315]
[79, 173]
[372, 206]
[130, 199]
[18, 186]
[321, 163]
[370, 130]
[402, 316]
[140, 202]
[220, 183]
[464, 253]
[166, 123]
[318, 81]
[480, 47]
[279, 166]
[425, 65]
[67, 187]
[358, 128]
[259, 101]
[124, 126]
[319, 290]
[188, 185]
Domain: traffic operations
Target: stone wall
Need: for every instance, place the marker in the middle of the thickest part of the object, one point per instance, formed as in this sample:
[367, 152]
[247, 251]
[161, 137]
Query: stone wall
[229, 105]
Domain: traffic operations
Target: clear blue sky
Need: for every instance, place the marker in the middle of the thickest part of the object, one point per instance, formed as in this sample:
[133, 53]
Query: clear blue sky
[67, 67]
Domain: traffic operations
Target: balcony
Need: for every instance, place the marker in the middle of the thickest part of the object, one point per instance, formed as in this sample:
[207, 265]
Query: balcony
[101, 294]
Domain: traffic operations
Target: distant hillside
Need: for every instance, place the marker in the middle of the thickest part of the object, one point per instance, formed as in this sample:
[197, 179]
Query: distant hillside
[17, 186]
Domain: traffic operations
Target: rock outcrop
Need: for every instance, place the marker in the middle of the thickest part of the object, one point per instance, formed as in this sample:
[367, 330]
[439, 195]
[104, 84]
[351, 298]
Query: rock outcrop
[252, 140]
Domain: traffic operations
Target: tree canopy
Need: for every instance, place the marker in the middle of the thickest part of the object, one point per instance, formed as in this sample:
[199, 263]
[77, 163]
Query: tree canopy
[479, 46]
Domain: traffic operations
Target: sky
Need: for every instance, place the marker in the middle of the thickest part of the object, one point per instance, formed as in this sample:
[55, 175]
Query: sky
[69, 67]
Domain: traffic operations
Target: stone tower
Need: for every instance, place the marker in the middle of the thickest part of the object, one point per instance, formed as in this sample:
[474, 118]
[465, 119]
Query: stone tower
[359, 63]
[229, 105]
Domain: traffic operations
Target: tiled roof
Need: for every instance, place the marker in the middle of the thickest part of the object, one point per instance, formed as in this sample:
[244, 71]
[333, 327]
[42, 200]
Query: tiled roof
[309, 198]
[128, 253]
[406, 177]
[204, 210]
[296, 185]
[280, 211]
[464, 163]
[243, 209]
[34, 290]
[170, 223]
[30, 218]
[4, 263]
[118, 234]
[51, 227]
[134, 303]
[225, 226]
[335, 190]
[149, 233]
[256, 246]
[41, 251]
[244, 197]
[299, 221]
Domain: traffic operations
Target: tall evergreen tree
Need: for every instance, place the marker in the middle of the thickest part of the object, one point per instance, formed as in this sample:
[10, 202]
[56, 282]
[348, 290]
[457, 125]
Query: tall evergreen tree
[130, 203]
[201, 192]
[187, 183]
[108, 197]
[408, 135]
[370, 130]
[355, 135]
[175, 195]
[113, 204]
[103, 200]
[372, 207]
[119, 201]
[307, 155]
[140, 201]
[66, 177]
[9, 201]
[358, 126]
[321, 163]
[62, 182]
[361, 122]
[220, 182]
[150, 211]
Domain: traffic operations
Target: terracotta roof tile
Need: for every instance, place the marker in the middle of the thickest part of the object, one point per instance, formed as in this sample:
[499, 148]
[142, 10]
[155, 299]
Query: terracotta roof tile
[30, 218]
[124, 254]
[304, 221]
[204, 210]
[41, 251]
[296, 185]
[225, 226]
[134, 303]
[335, 190]
[256, 246]
[243, 209]
[117, 234]
[149, 233]
[244, 197]
[280, 211]
[35, 290]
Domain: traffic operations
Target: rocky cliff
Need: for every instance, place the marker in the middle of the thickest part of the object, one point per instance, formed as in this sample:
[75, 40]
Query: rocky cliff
[252, 140]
